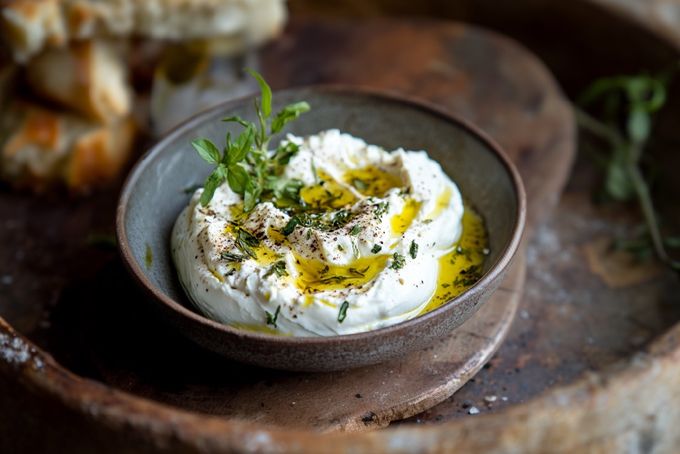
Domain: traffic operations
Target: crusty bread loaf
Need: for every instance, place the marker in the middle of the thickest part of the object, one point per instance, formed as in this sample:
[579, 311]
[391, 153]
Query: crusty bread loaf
[42, 148]
[88, 77]
[29, 26]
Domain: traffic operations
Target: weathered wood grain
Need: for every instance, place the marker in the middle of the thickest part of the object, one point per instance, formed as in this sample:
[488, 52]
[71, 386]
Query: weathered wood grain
[621, 407]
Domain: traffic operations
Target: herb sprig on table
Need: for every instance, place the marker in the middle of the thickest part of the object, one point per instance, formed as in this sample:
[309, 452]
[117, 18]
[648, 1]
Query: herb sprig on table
[627, 108]
[246, 163]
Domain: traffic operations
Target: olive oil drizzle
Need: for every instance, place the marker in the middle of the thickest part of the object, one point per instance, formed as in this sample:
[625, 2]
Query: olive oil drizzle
[328, 194]
[315, 276]
[402, 221]
[461, 267]
[371, 181]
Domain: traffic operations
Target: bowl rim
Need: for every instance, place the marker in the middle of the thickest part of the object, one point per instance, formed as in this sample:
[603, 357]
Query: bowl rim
[477, 288]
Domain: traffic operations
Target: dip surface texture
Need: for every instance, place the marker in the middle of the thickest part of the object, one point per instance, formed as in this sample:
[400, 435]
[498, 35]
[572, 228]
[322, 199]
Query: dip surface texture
[367, 248]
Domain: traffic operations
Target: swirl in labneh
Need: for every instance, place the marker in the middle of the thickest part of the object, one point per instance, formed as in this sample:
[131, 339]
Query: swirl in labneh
[381, 237]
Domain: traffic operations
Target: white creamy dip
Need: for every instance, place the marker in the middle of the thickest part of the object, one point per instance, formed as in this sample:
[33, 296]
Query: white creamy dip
[396, 214]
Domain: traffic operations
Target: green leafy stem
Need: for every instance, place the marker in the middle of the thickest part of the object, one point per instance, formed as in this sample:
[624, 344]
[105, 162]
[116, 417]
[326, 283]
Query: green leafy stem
[628, 104]
[245, 162]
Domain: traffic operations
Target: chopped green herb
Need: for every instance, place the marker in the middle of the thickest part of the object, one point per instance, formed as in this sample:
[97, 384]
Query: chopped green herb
[271, 319]
[334, 279]
[246, 241]
[376, 248]
[355, 230]
[358, 273]
[427, 221]
[343, 311]
[413, 250]
[340, 218]
[398, 261]
[381, 208]
[290, 225]
[231, 257]
[278, 268]
[468, 276]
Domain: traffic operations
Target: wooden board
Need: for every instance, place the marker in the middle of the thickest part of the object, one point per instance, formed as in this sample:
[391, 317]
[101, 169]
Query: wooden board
[481, 76]
[47, 235]
[163, 366]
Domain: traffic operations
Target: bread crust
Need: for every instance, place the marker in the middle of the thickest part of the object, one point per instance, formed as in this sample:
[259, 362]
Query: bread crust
[88, 77]
[44, 148]
[30, 26]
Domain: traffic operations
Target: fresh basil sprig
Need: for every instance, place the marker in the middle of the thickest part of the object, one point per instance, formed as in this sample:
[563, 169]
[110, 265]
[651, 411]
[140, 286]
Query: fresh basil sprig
[245, 162]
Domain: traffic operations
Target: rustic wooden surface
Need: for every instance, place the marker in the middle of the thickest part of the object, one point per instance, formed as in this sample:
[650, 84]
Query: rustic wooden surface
[95, 338]
[163, 366]
[619, 401]
[482, 77]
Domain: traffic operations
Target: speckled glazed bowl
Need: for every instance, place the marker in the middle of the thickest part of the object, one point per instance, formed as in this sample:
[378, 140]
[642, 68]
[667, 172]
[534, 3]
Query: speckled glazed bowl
[154, 194]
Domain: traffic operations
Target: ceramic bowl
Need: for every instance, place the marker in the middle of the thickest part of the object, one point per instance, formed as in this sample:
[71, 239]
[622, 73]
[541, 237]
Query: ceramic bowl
[155, 193]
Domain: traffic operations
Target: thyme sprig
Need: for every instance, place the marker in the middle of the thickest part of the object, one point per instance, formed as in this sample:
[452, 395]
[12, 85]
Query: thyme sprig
[628, 105]
[246, 163]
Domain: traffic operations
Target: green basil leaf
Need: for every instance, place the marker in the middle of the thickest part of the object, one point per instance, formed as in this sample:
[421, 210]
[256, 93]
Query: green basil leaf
[213, 182]
[288, 114]
[207, 150]
[266, 91]
[238, 178]
[251, 196]
[241, 147]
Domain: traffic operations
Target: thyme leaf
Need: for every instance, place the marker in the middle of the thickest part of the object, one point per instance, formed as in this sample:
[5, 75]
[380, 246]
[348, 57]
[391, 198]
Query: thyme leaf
[342, 314]
[245, 162]
[398, 261]
[278, 268]
[625, 107]
[413, 250]
[272, 318]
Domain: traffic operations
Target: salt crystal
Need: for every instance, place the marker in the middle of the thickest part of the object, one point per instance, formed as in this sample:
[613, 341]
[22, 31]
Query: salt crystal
[473, 411]
[491, 398]
[13, 350]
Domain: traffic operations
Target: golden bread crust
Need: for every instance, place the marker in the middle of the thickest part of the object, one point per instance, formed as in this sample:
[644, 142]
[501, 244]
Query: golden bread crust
[30, 26]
